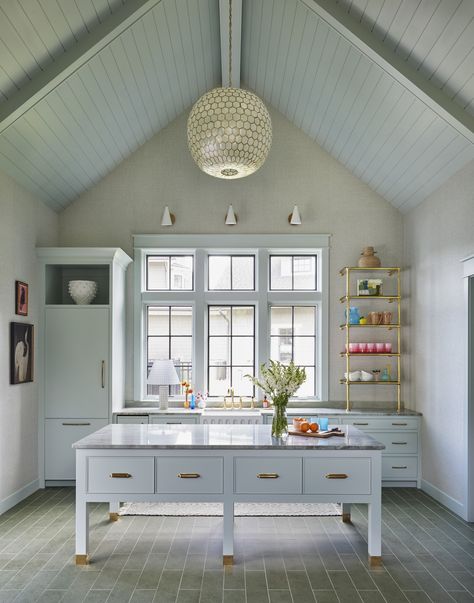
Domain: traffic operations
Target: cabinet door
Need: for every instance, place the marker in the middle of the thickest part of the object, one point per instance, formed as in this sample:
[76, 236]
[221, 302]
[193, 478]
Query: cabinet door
[133, 419]
[59, 435]
[76, 357]
[174, 419]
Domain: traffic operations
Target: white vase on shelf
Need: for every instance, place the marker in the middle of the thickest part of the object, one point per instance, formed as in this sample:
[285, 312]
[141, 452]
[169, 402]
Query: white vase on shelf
[82, 292]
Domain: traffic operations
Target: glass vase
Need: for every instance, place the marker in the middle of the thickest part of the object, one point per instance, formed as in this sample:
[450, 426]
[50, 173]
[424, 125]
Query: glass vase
[280, 422]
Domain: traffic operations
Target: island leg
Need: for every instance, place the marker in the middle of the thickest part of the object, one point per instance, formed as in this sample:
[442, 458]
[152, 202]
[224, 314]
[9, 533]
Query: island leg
[114, 509]
[375, 514]
[346, 512]
[82, 511]
[228, 535]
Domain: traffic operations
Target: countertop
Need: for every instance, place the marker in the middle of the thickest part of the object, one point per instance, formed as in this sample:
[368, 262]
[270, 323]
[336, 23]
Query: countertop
[137, 410]
[207, 437]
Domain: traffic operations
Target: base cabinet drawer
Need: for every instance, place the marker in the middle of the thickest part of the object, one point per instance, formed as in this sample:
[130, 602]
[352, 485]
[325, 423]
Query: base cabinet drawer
[117, 474]
[189, 475]
[59, 435]
[397, 443]
[399, 467]
[327, 475]
[174, 420]
[255, 475]
[132, 419]
[392, 423]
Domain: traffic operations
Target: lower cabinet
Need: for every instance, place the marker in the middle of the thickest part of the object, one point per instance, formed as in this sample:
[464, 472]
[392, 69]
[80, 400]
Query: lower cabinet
[132, 419]
[59, 435]
[189, 475]
[174, 419]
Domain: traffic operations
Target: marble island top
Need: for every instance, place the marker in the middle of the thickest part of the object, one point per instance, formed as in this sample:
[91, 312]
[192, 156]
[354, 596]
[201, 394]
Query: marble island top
[340, 412]
[219, 436]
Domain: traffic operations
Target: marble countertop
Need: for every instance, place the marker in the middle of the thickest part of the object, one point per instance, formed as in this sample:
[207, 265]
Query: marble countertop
[137, 410]
[219, 436]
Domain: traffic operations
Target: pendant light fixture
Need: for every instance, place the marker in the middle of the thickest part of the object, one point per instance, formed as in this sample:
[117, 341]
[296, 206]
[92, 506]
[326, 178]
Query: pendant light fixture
[229, 129]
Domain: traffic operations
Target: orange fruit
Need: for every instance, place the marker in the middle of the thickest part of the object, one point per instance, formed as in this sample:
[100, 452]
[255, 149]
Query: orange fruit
[314, 427]
[304, 426]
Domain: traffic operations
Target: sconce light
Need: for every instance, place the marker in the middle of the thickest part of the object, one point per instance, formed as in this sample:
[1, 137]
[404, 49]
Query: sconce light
[294, 218]
[231, 217]
[167, 218]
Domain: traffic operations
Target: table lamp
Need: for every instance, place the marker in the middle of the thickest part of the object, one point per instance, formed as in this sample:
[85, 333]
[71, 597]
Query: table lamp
[164, 374]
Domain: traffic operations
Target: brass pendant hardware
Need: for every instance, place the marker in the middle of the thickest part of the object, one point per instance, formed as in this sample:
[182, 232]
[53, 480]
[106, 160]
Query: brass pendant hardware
[121, 475]
[267, 475]
[188, 475]
[336, 476]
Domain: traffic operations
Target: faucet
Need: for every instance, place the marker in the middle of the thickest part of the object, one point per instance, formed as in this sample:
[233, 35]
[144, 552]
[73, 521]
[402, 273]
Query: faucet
[230, 393]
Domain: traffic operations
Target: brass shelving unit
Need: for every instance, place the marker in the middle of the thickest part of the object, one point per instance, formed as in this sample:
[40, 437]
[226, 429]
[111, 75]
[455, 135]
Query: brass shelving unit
[347, 327]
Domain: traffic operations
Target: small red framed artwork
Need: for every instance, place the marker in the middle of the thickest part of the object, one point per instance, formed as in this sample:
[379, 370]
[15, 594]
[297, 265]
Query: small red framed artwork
[21, 298]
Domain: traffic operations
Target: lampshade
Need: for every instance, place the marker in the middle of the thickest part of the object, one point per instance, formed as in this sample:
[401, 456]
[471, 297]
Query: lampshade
[163, 373]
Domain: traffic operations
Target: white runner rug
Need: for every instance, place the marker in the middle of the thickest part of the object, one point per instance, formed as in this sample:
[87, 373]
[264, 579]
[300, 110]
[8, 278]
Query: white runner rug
[241, 509]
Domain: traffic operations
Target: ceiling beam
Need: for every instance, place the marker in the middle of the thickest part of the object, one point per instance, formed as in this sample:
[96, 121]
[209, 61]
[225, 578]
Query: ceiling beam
[360, 37]
[72, 60]
[236, 40]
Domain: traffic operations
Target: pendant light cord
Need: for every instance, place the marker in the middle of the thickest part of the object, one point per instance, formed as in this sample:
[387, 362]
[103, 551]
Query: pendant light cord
[229, 85]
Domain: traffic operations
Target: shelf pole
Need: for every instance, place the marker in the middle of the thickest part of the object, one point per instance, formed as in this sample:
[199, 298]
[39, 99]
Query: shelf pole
[399, 364]
[348, 303]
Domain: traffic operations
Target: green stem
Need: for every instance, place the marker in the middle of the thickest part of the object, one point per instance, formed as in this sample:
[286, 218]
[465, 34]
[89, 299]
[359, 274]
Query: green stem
[280, 421]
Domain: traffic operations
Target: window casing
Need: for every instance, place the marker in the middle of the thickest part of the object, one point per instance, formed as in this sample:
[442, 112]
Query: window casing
[306, 249]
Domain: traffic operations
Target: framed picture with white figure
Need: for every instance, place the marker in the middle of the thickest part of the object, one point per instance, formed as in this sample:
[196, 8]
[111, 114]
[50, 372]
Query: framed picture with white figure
[21, 352]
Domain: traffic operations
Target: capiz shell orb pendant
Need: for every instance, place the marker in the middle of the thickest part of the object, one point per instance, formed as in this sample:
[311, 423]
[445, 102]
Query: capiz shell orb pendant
[229, 133]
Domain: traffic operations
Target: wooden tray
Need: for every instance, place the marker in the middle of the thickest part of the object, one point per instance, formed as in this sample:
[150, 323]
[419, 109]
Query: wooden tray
[318, 434]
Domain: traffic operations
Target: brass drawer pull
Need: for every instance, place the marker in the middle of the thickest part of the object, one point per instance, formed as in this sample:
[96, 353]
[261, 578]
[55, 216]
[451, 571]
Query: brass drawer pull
[188, 475]
[76, 424]
[267, 475]
[359, 423]
[336, 476]
[400, 443]
[173, 422]
[121, 475]
[399, 467]
[400, 424]
[102, 374]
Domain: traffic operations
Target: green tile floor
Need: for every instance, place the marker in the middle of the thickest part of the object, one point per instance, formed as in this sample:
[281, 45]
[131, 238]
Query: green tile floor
[428, 555]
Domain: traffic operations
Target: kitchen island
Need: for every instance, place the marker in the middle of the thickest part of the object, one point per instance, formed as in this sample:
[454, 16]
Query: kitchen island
[228, 464]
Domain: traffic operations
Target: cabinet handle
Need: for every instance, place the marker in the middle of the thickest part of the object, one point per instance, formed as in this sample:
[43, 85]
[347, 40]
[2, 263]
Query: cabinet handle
[102, 374]
[188, 475]
[400, 424]
[267, 475]
[121, 475]
[336, 476]
[400, 443]
[359, 423]
[173, 422]
[75, 424]
[399, 467]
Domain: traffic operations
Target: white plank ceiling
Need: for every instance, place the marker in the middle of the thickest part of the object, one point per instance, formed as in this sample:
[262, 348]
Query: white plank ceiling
[292, 56]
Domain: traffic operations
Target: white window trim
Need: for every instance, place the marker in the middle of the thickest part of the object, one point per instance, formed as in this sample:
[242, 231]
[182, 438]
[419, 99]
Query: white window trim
[262, 246]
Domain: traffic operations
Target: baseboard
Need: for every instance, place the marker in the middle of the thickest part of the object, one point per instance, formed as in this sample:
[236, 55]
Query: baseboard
[448, 501]
[18, 496]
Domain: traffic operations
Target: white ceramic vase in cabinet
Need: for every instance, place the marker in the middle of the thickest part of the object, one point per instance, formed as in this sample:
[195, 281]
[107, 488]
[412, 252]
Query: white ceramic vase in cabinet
[81, 352]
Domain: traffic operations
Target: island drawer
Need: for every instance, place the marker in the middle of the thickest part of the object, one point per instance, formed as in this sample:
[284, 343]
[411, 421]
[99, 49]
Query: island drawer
[117, 474]
[265, 475]
[399, 467]
[397, 443]
[392, 423]
[327, 475]
[189, 475]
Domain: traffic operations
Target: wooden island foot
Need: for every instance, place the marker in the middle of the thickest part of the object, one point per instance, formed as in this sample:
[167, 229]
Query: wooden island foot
[346, 512]
[375, 561]
[82, 559]
[228, 560]
[114, 516]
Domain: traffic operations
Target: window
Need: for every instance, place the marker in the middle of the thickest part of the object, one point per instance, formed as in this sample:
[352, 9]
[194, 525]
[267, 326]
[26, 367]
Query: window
[169, 335]
[170, 273]
[293, 337]
[231, 272]
[293, 273]
[221, 305]
[231, 349]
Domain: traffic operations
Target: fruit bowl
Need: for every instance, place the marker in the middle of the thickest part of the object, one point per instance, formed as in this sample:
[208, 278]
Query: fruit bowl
[82, 292]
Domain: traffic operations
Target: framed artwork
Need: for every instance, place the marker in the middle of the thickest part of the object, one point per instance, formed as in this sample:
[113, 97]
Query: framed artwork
[21, 298]
[21, 352]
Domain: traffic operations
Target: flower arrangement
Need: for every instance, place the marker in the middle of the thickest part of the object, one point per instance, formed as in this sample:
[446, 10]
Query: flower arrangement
[280, 382]
[187, 390]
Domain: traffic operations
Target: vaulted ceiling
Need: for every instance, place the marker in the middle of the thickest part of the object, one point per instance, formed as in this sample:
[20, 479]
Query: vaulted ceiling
[385, 86]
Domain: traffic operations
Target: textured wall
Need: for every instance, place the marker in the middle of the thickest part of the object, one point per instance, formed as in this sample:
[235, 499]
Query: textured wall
[24, 223]
[439, 233]
[131, 200]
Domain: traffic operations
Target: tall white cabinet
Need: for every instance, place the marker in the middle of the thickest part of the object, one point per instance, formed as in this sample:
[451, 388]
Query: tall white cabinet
[81, 352]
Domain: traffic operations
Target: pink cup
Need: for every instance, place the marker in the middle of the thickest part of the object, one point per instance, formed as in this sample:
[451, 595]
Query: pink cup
[388, 348]
[362, 348]
[371, 348]
[354, 348]
[380, 348]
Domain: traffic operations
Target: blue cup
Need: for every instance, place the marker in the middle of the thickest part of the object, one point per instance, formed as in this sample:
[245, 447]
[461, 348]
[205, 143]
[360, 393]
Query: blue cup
[323, 423]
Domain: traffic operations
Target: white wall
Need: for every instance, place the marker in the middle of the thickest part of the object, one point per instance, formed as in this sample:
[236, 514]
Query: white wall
[24, 223]
[331, 200]
[439, 233]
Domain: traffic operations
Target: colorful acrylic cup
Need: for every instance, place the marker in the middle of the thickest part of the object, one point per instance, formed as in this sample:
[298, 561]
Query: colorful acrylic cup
[323, 423]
